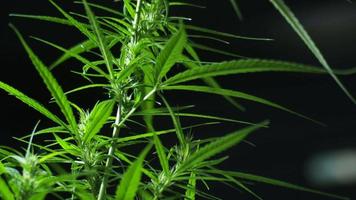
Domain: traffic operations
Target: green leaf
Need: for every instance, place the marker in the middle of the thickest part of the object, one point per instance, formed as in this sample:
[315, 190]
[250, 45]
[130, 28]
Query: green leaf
[213, 32]
[215, 50]
[236, 94]
[85, 87]
[151, 134]
[97, 118]
[32, 103]
[191, 187]
[153, 111]
[176, 122]
[2, 168]
[124, 158]
[145, 195]
[236, 9]
[242, 186]
[117, 27]
[84, 195]
[51, 83]
[201, 116]
[68, 147]
[43, 18]
[298, 28]
[76, 56]
[101, 7]
[129, 8]
[100, 40]
[261, 179]
[82, 28]
[49, 156]
[217, 146]
[239, 67]
[209, 80]
[5, 192]
[131, 178]
[170, 53]
[75, 50]
[161, 154]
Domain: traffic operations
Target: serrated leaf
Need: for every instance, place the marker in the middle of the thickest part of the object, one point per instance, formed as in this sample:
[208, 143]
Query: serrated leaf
[101, 7]
[219, 33]
[56, 20]
[163, 159]
[176, 122]
[71, 149]
[202, 116]
[124, 158]
[209, 80]
[117, 27]
[82, 28]
[51, 83]
[170, 53]
[150, 134]
[75, 55]
[105, 51]
[129, 8]
[299, 29]
[215, 50]
[270, 181]
[241, 66]
[131, 178]
[237, 94]
[76, 49]
[242, 186]
[97, 118]
[217, 146]
[85, 87]
[32, 103]
[49, 156]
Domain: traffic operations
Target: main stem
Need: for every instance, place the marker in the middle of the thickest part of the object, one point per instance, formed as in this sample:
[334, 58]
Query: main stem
[134, 38]
[116, 130]
[108, 164]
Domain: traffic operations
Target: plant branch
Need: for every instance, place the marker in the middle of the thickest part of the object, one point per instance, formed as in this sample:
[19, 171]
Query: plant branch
[118, 120]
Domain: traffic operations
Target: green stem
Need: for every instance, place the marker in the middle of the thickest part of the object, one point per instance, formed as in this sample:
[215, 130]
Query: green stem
[119, 120]
[108, 164]
[134, 38]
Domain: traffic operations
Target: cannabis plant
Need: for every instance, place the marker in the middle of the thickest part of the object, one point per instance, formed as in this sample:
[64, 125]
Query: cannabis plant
[135, 56]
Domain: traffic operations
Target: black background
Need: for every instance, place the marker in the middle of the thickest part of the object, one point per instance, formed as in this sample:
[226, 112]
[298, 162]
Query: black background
[282, 150]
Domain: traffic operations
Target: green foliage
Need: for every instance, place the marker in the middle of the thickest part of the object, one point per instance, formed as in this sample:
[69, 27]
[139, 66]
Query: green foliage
[132, 61]
[170, 53]
[131, 178]
[51, 83]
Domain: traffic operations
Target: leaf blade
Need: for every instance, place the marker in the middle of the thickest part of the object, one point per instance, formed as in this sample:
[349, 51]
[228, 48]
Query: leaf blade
[32, 103]
[51, 83]
[237, 94]
[299, 29]
[97, 118]
[170, 53]
[218, 145]
[131, 179]
[100, 39]
[5, 191]
[241, 66]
